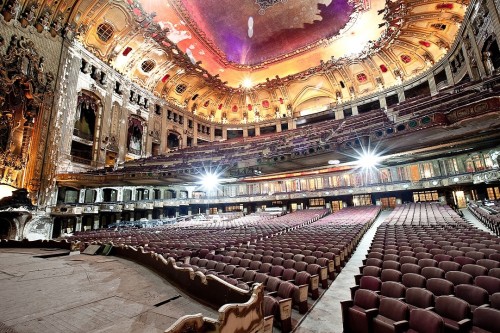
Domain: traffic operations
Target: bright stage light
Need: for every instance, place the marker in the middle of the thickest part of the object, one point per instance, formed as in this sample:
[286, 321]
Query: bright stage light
[209, 180]
[368, 159]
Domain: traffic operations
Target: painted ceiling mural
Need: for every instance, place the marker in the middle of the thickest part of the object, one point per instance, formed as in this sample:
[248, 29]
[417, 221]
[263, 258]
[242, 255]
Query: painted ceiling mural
[253, 60]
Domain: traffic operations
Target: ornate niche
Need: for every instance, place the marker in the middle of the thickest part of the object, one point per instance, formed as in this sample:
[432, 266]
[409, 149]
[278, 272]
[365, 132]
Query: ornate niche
[25, 91]
[135, 135]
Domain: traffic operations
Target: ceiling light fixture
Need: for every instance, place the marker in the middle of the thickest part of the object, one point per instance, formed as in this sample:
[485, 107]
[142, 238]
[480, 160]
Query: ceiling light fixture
[247, 83]
[250, 27]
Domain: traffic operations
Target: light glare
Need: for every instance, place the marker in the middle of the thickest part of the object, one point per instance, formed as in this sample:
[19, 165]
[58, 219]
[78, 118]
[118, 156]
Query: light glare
[210, 180]
[247, 83]
[368, 160]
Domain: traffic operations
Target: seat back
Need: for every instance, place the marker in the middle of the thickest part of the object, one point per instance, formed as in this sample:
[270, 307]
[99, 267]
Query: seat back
[473, 295]
[475, 270]
[440, 287]
[419, 297]
[487, 319]
[413, 280]
[392, 289]
[423, 321]
[393, 309]
[366, 299]
[489, 283]
[432, 272]
[452, 308]
[457, 277]
[447, 266]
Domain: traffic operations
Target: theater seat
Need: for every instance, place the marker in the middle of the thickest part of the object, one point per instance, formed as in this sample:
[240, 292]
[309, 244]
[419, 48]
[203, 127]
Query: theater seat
[455, 313]
[475, 296]
[424, 321]
[419, 298]
[357, 314]
[489, 283]
[392, 316]
[486, 320]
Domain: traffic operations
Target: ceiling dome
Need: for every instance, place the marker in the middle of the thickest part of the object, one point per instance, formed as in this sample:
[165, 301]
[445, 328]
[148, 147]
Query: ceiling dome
[289, 54]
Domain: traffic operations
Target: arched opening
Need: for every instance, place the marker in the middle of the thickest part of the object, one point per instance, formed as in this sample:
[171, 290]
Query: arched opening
[85, 117]
[142, 194]
[84, 129]
[109, 195]
[157, 194]
[173, 141]
[491, 54]
[67, 195]
[8, 229]
[127, 195]
[169, 194]
[63, 226]
[134, 135]
[90, 196]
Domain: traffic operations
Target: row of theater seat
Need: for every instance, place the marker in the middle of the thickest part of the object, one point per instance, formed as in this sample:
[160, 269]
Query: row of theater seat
[488, 216]
[368, 312]
[446, 266]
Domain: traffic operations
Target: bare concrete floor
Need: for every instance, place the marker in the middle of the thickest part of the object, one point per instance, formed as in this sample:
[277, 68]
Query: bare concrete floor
[80, 293]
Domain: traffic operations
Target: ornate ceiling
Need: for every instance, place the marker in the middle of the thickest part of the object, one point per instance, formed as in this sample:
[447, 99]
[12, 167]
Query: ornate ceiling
[294, 54]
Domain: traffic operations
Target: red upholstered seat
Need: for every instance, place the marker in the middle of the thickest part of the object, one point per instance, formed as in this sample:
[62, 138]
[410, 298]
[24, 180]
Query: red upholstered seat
[486, 320]
[489, 283]
[455, 312]
[475, 296]
[440, 287]
[459, 277]
[424, 321]
[432, 272]
[447, 266]
[357, 314]
[413, 280]
[419, 298]
[392, 316]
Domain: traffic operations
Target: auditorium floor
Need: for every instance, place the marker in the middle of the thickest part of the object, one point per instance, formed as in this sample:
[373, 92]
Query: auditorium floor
[325, 316]
[80, 293]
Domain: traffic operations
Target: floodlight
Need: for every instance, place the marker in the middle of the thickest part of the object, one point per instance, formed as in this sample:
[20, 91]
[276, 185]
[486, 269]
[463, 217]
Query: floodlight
[368, 159]
[209, 180]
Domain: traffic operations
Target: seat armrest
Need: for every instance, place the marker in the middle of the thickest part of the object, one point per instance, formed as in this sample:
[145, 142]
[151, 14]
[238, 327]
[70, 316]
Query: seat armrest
[353, 291]
[401, 326]
[464, 325]
[371, 312]
[361, 269]
[430, 308]
[272, 293]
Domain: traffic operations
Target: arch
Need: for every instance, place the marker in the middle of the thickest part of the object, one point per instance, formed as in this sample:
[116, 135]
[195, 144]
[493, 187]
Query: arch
[491, 54]
[173, 139]
[87, 112]
[310, 92]
[135, 135]
[169, 194]
[67, 194]
[8, 228]
[109, 195]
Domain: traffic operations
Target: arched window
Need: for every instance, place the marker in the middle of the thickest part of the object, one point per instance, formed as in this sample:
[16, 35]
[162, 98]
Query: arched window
[148, 65]
[85, 117]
